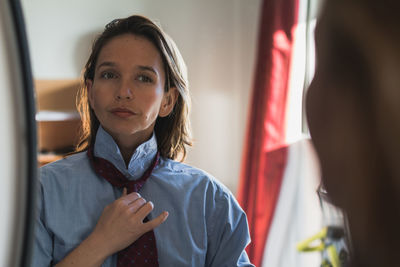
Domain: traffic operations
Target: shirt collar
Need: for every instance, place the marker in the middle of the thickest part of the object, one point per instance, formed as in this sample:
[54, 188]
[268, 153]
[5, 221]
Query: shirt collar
[106, 148]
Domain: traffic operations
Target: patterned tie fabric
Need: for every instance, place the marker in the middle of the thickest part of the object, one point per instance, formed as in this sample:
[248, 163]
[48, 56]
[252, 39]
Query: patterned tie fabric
[143, 252]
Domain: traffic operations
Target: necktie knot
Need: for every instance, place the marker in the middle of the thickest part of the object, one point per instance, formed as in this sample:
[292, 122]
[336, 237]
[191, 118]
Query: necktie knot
[108, 171]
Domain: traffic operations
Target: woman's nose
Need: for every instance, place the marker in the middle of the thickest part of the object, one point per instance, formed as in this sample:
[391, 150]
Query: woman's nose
[124, 92]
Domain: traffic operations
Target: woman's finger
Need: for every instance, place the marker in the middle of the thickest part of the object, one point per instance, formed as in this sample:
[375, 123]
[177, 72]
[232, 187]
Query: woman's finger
[144, 210]
[129, 198]
[156, 221]
[136, 204]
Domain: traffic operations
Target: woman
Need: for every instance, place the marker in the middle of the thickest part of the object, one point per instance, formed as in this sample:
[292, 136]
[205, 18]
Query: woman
[354, 118]
[134, 108]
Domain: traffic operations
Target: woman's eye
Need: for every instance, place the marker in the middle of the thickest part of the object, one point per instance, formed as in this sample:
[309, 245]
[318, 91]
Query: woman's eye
[107, 75]
[144, 78]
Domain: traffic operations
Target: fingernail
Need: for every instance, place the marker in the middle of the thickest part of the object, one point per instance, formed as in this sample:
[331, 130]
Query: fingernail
[165, 214]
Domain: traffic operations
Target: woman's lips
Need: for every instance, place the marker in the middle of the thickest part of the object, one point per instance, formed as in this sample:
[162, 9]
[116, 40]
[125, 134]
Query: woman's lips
[122, 112]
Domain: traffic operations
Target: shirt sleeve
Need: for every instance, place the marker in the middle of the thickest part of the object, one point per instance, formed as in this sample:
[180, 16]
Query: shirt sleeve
[228, 233]
[43, 244]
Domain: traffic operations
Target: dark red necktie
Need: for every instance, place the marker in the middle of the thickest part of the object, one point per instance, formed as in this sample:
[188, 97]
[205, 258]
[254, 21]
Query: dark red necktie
[143, 252]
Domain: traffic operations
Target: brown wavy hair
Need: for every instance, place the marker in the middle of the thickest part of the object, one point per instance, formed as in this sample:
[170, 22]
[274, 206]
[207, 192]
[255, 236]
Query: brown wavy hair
[173, 131]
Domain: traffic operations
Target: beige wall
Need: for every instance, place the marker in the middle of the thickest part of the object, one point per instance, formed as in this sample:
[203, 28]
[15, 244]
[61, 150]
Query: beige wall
[217, 39]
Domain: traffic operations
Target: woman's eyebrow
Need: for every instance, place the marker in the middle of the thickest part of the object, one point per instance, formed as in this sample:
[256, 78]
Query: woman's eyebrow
[141, 67]
[106, 64]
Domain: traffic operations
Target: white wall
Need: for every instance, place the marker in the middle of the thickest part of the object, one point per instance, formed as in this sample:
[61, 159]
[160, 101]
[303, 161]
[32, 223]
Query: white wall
[217, 39]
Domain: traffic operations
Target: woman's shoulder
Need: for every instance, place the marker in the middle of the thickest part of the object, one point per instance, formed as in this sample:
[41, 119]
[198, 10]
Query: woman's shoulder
[66, 162]
[181, 167]
[216, 197]
[66, 167]
[183, 170]
[199, 178]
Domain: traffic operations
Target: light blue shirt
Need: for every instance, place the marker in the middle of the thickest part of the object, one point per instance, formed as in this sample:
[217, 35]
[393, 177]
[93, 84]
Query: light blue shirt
[205, 227]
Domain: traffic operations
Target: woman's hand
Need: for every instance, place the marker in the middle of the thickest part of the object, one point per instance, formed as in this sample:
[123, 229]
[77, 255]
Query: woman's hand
[121, 222]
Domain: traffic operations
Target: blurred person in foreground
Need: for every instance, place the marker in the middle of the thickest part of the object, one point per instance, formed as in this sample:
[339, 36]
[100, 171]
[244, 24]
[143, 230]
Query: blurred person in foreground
[353, 112]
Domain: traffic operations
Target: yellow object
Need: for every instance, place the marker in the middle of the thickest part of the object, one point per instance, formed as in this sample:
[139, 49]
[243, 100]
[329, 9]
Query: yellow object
[305, 246]
[321, 236]
[333, 256]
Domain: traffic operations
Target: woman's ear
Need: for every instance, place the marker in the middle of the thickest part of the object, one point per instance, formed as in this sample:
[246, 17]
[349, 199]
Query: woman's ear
[168, 102]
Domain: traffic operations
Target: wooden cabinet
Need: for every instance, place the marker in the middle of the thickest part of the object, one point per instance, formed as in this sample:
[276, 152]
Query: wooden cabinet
[57, 118]
[44, 158]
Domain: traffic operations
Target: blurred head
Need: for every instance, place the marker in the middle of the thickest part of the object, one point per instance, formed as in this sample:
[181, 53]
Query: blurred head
[354, 117]
[172, 131]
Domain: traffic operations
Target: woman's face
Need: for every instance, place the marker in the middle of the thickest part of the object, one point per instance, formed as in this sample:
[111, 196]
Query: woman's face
[127, 92]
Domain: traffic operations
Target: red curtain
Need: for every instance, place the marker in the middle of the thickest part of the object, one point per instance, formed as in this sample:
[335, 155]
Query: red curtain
[264, 154]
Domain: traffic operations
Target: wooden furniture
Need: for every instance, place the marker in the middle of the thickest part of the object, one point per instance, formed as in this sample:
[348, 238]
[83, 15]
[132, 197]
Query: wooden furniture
[58, 121]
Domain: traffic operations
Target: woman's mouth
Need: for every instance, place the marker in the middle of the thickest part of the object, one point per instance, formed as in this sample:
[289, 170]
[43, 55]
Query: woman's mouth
[122, 112]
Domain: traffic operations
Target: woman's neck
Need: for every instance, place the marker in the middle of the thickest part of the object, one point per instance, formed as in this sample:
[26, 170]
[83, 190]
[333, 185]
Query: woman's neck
[128, 143]
[127, 153]
[128, 146]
